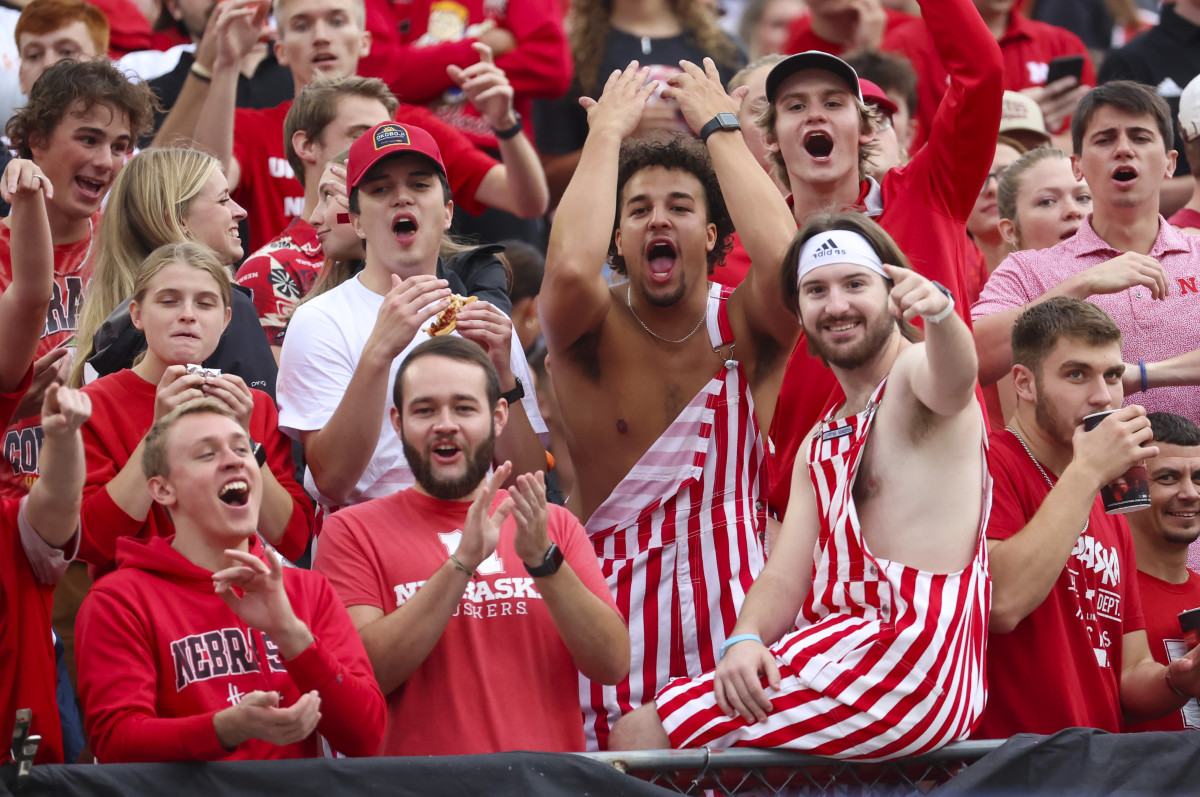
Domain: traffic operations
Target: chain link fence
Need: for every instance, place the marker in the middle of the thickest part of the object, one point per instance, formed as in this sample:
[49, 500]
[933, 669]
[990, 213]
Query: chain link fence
[746, 771]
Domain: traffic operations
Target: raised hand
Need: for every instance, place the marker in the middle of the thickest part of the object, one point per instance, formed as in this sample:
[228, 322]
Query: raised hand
[23, 179]
[528, 497]
[406, 307]
[176, 387]
[64, 410]
[481, 532]
[486, 87]
[231, 391]
[49, 369]
[254, 590]
[622, 101]
[700, 94]
[1057, 100]
[491, 328]
[1117, 443]
[913, 295]
[737, 683]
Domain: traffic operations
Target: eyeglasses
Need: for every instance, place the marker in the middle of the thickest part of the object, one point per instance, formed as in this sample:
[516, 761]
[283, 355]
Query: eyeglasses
[996, 175]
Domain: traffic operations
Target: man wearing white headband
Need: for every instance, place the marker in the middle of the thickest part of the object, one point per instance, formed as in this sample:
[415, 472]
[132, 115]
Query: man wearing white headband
[881, 560]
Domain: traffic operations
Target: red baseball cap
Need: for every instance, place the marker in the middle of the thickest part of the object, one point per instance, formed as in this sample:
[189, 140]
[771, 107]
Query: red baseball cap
[873, 95]
[387, 139]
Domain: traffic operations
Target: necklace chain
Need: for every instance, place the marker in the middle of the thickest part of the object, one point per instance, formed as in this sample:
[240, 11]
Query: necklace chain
[1042, 470]
[629, 304]
[87, 253]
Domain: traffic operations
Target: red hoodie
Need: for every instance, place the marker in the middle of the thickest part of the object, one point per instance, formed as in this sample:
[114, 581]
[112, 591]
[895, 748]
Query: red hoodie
[159, 654]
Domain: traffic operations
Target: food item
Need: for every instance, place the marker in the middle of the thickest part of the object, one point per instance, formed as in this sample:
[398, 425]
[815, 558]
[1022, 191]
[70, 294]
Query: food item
[445, 321]
[207, 373]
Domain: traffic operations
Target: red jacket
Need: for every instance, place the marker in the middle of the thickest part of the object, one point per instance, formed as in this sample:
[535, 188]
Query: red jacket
[1027, 48]
[122, 413]
[159, 654]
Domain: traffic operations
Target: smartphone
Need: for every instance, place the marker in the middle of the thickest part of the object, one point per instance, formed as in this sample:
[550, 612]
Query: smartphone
[1067, 66]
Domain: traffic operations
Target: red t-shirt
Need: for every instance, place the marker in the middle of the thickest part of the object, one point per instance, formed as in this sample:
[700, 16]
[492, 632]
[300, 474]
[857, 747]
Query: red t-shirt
[130, 31]
[1162, 602]
[280, 274]
[801, 37]
[272, 196]
[500, 677]
[1027, 47]
[1185, 217]
[924, 205]
[73, 265]
[1061, 666]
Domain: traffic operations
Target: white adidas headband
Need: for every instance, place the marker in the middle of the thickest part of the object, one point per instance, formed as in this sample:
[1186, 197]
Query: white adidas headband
[838, 246]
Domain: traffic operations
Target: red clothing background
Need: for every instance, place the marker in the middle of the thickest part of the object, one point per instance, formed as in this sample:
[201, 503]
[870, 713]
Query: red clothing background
[73, 265]
[28, 673]
[280, 274]
[500, 677]
[272, 196]
[1162, 602]
[1027, 48]
[801, 37]
[540, 65]
[122, 413]
[924, 205]
[137, 627]
[1046, 674]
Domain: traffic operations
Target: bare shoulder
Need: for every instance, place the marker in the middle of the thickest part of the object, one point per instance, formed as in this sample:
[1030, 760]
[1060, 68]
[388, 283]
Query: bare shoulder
[904, 415]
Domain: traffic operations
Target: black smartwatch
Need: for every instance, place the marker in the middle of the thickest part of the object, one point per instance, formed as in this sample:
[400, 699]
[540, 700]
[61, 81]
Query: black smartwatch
[550, 562]
[722, 121]
[516, 394]
[260, 453]
[510, 132]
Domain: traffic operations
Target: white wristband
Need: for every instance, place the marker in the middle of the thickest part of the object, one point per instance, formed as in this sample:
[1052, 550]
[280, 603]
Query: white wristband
[942, 316]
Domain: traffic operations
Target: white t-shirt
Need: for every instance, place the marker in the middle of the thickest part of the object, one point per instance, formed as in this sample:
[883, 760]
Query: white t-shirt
[324, 343]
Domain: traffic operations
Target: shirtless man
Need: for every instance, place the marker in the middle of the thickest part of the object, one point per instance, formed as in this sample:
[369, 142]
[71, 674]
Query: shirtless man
[881, 551]
[665, 381]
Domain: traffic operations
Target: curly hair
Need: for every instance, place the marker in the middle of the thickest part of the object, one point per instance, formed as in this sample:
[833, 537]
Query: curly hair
[588, 28]
[92, 83]
[677, 154]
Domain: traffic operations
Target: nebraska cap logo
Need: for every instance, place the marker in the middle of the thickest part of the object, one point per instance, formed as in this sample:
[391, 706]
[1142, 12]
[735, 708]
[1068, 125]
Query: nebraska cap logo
[391, 136]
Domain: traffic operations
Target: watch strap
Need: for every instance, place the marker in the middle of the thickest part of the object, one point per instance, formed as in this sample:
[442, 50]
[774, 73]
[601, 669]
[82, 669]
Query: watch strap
[551, 562]
[945, 312]
[516, 394]
[718, 123]
[510, 132]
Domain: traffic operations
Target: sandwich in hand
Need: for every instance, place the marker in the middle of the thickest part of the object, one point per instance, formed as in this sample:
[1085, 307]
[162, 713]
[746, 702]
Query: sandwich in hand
[445, 321]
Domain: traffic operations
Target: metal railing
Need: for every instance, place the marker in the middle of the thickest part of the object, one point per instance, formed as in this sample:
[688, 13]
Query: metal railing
[749, 771]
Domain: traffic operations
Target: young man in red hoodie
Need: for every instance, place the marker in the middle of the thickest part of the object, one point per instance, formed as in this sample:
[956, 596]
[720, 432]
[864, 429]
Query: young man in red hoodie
[200, 647]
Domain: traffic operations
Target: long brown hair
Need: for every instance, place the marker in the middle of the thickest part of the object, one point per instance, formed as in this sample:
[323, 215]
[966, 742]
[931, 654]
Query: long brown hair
[588, 26]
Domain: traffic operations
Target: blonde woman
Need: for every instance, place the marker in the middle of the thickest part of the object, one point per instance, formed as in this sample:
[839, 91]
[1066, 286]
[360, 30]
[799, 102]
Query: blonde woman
[163, 196]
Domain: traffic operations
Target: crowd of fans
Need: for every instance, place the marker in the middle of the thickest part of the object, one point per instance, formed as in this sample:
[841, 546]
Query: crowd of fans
[454, 377]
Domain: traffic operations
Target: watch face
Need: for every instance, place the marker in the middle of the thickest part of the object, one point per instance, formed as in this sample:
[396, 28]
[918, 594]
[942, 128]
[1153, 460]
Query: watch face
[728, 120]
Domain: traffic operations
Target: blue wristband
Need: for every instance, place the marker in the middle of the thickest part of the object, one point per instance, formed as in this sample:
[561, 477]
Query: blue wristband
[1145, 379]
[733, 640]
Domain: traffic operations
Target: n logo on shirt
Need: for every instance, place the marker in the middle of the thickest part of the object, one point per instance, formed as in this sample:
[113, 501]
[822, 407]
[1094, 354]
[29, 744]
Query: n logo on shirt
[488, 567]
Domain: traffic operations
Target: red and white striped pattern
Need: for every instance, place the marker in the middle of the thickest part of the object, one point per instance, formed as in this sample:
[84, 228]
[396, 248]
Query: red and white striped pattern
[680, 539]
[892, 662]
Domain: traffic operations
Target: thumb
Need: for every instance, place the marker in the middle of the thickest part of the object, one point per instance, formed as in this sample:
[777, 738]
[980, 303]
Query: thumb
[740, 93]
[503, 511]
[485, 52]
[587, 103]
[396, 281]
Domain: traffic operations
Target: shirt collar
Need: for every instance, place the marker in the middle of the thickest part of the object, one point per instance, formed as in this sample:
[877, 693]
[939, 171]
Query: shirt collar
[1087, 241]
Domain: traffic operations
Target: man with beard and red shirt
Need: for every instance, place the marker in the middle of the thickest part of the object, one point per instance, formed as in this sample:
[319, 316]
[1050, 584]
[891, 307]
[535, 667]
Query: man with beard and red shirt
[78, 127]
[326, 39]
[477, 606]
[1067, 641]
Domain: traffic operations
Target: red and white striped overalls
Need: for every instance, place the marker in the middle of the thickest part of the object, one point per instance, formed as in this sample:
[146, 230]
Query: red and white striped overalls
[890, 662]
[680, 538]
